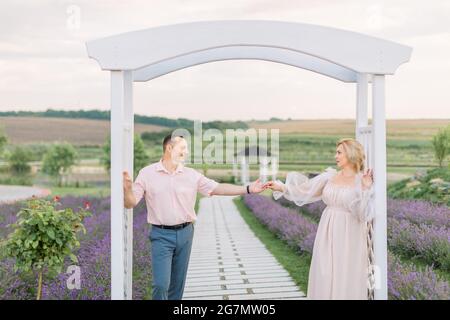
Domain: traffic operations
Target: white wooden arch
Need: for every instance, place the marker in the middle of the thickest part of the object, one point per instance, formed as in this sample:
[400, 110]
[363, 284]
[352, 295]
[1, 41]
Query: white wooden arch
[146, 54]
[284, 56]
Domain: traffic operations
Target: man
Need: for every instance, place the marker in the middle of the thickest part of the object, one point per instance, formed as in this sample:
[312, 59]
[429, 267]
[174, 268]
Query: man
[170, 191]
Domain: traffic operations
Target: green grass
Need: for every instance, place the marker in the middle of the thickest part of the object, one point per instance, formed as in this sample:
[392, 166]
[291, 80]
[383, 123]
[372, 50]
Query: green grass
[425, 189]
[197, 202]
[318, 149]
[72, 191]
[89, 152]
[297, 265]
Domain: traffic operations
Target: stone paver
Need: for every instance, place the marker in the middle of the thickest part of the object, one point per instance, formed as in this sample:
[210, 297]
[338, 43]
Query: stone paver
[229, 262]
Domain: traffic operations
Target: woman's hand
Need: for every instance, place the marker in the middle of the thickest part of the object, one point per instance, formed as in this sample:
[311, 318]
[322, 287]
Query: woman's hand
[275, 186]
[367, 179]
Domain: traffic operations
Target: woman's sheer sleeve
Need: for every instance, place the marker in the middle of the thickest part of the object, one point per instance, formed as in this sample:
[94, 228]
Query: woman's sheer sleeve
[302, 190]
[362, 207]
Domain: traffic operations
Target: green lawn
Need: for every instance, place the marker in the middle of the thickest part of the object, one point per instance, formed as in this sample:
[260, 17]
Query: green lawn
[296, 264]
[72, 191]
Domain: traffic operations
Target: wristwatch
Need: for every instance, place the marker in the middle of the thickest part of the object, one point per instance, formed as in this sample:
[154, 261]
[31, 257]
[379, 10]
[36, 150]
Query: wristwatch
[248, 189]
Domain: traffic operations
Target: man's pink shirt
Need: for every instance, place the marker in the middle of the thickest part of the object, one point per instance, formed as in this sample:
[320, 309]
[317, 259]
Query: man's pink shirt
[170, 197]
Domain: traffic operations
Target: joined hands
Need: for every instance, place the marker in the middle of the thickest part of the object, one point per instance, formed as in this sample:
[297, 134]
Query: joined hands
[257, 186]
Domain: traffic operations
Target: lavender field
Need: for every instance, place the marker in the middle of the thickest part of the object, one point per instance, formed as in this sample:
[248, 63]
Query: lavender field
[416, 229]
[93, 256]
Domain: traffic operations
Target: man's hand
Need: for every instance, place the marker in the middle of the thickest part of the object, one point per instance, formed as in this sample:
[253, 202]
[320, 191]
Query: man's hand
[257, 186]
[226, 189]
[128, 196]
[127, 182]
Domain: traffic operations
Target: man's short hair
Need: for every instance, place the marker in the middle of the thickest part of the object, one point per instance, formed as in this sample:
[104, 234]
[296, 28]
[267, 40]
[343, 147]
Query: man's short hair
[168, 140]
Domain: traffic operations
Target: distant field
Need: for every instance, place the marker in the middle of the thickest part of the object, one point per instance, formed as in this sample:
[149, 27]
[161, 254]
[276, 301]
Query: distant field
[305, 144]
[421, 129]
[22, 130]
[93, 132]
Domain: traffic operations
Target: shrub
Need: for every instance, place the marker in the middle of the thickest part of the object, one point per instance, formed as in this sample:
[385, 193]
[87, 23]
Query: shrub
[43, 237]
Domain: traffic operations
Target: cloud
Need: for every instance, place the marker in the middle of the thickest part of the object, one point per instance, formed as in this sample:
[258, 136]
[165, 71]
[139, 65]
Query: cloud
[44, 62]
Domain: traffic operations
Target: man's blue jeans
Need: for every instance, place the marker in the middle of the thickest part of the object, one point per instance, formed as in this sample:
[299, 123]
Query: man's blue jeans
[171, 250]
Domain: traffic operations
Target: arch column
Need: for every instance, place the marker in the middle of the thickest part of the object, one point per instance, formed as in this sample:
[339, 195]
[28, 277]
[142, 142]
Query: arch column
[379, 176]
[128, 159]
[373, 138]
[156, 51]
[121, 159]
[361, 104]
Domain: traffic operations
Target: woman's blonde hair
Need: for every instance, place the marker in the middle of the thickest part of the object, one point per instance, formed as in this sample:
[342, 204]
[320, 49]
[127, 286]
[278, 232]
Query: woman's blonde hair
[354, 152]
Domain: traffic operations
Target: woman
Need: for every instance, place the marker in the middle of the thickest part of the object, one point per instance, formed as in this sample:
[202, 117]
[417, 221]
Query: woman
[339, 266]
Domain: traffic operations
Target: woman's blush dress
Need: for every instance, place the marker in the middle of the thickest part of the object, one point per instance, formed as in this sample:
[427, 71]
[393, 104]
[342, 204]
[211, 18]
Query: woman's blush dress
[339, 265]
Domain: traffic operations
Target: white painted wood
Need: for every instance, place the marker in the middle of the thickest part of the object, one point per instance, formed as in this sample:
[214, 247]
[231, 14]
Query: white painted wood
[350, 50]
[218, 229]
[289, 57]
[379, 167]
[343, 55]
[274, 167]
[235, 170]
[128, 157]
[269, 296]
[117, 216]
[278, 284]
[365, 138]
[361, 104]
[245, 168]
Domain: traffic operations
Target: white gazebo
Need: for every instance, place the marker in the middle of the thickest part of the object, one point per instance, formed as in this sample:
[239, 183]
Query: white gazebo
[147, 54]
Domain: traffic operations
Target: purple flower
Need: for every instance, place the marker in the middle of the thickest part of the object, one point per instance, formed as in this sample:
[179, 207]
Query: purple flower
[94, 257]
[405, 281]
[286, 223]
[415, 229]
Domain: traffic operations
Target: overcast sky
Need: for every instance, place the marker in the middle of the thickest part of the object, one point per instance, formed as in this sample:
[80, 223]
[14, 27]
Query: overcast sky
[44, 64]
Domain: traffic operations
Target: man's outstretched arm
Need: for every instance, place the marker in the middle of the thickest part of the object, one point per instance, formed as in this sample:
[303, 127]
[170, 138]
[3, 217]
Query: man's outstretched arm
[226, 189]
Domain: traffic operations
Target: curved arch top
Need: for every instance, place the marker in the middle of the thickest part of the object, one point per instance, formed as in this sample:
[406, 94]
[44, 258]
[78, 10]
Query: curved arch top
[283, 56]
[329, 51]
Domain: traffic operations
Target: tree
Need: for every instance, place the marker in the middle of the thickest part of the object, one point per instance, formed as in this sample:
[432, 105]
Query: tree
[140, 160]
[18, 161]
[58, 160]
[43, 237]
[441, 144]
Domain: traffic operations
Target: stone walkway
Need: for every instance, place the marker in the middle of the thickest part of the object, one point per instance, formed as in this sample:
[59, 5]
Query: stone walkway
[228, 262]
